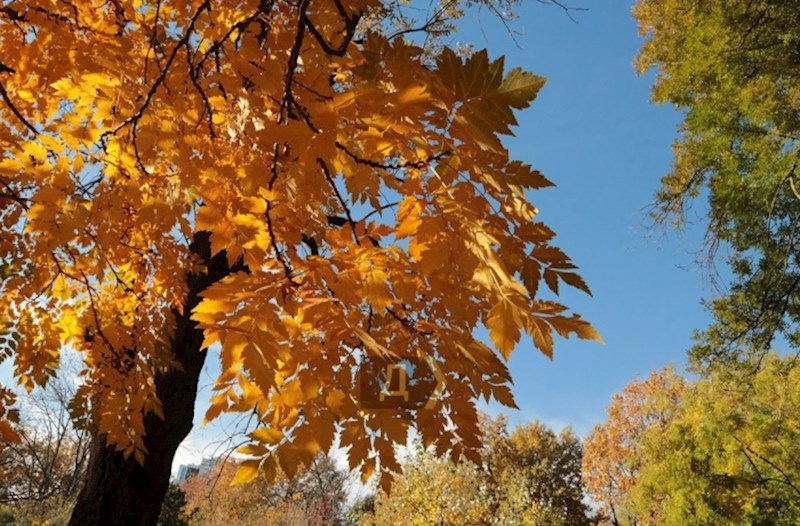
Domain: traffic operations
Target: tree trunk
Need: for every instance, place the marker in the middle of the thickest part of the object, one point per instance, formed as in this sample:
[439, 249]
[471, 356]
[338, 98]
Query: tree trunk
[120, 492]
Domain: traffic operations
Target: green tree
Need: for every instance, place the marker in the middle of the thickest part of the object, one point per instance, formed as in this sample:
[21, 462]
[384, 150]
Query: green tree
[719, 451]
[731, 66]
[537, 476]
[434, 491]
[729, 455]
[172, 513]
[530, 476]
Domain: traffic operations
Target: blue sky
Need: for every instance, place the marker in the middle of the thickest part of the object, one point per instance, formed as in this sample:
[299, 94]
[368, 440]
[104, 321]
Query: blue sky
[595, 134]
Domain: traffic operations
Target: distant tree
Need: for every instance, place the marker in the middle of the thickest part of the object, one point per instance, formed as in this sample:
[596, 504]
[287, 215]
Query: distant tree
[363, 506]
[716, 452]
[172, 510]
[613, 454]
[537, 477]
[731, 67]
[313, 497]
[42, 470]
[729, 455]
[529, 477]
[433, 491]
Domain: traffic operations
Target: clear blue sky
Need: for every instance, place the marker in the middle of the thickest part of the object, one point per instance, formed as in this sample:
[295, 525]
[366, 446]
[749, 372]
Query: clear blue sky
[595, 134]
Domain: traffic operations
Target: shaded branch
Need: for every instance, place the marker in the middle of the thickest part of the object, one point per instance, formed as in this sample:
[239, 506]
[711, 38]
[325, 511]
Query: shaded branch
[341, 200]
[14, 110]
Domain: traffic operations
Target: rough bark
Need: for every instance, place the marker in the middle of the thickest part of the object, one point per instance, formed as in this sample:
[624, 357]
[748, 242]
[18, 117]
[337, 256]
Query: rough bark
[119, 491]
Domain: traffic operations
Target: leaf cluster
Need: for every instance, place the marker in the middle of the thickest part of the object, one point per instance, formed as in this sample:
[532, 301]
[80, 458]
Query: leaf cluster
[357, 201]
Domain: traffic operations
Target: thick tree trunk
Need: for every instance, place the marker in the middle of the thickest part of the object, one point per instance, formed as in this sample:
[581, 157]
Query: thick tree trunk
[119, 491]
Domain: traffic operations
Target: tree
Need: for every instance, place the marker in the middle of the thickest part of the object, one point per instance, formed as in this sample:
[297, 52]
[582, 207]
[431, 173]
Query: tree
[731, 67]
[613, 454]
[172, 513]
[294, 185]
[531, 476]
[42, 471]
[538, 477]
[314, 497]
[722, 450]
[434, 491]
[729, 455]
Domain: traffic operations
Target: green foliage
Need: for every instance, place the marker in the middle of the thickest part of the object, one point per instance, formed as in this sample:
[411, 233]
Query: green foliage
[172, 508]
[537, 477]
[6, 517]
[730, 454]
[717, 452]
[434, 491]
[530, 476]
[731, 67]
[51, 511]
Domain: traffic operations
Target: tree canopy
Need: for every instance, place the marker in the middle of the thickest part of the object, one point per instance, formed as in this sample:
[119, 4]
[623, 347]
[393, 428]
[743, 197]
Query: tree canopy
[717, 451]
[530, 476]
[613, 455]
[731, 66]
[315, 497]
[299, 181]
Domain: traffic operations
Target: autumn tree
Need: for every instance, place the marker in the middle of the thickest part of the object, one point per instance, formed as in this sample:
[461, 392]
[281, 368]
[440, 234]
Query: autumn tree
[42, 471]
[537, 477]
[436, 491]
[729, 454]
[530, 476]
[613, 453]
[314, 497]
[731, 67]
[294, 185]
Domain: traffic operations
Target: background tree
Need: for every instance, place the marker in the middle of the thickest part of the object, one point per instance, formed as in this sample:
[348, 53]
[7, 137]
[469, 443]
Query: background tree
[731, 67]
[285, 182]
[172, 510]
[613, 455]
[537, 476]
[314, 497]
[531, 476]
[717, 451]
[729, 454]
[434, 491]
[42, 470]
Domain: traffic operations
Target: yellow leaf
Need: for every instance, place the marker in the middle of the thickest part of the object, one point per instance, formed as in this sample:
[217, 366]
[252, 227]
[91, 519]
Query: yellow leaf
[376, 290]
[503, 323]
[267, 435]
[246, 472]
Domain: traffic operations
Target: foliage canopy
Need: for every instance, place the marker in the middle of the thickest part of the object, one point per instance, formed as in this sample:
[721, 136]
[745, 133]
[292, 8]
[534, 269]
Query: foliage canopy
[732, 67]
[530, 476]
[359, 192]
[718, 451]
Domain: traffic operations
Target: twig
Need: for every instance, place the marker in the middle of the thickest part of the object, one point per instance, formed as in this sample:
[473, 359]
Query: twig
[15, 111]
